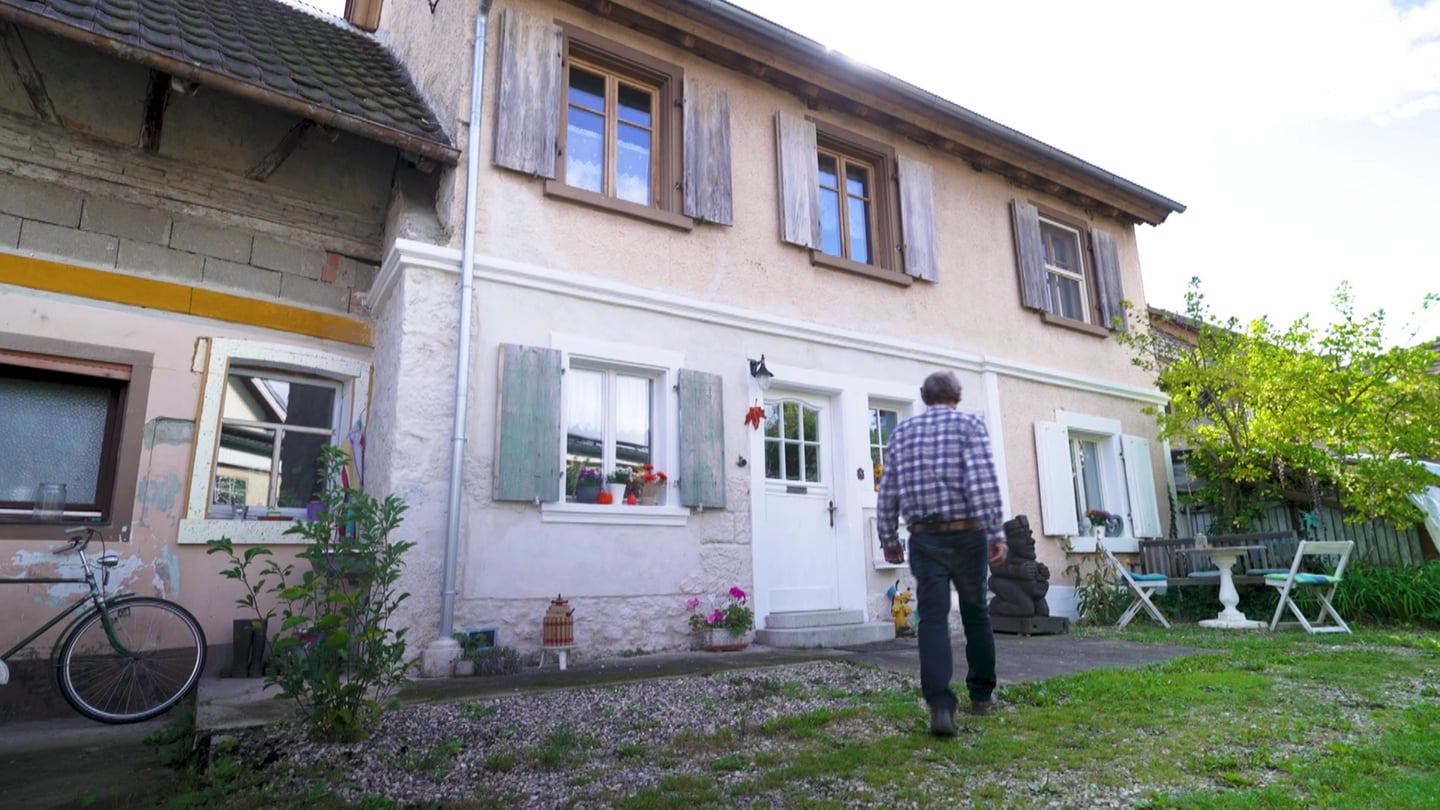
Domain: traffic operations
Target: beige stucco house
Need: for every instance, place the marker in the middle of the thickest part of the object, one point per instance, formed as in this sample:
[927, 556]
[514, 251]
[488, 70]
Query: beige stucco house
[655, 196]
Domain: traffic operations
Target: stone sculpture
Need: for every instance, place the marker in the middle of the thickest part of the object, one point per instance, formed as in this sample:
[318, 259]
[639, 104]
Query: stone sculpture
[1020, 583]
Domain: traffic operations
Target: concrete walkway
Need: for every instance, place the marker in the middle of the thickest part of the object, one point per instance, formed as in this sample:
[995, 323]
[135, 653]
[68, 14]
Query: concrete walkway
[72, 762]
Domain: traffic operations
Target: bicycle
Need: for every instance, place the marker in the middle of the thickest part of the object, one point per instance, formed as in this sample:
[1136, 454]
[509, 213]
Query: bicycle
[124, 659]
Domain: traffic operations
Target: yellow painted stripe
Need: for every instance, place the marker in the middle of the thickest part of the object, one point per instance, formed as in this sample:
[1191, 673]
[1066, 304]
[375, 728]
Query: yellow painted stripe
[99, 285]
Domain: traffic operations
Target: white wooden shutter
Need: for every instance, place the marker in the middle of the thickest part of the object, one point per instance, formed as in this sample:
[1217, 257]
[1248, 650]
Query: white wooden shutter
[1030, 256]
[1107, 281]
[799, 181]
[917, 219]
[527, 107]
[528, 432]
[1140, 482]
[1057, 482]
[707, 184]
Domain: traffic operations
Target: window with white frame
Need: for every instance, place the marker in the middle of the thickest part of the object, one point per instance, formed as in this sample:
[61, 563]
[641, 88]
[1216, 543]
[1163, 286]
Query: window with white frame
[266, 410]
[1065, 270]
[882, 423]
[610, 419]
[1086, 462]
[1069, 269]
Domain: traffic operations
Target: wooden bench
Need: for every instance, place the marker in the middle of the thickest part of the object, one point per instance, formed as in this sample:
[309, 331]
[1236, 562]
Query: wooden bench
[1166, 557]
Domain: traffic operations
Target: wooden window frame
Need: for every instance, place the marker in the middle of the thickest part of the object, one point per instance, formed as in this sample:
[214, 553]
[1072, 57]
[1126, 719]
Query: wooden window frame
[668, 80]
[126, 374]
[1086, 252]
[882, 159]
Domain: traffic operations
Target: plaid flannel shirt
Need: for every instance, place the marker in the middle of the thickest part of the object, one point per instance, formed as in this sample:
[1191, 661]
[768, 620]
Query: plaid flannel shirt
[939, 464]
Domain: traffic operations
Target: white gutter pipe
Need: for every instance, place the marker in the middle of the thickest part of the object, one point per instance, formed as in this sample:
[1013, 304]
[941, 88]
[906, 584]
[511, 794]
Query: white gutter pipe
[462, 353]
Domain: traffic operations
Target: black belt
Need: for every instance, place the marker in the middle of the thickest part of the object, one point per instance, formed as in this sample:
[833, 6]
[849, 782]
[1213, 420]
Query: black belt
[945, 526]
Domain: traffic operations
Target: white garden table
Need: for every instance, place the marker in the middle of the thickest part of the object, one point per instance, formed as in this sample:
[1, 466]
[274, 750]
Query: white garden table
[1225, 558]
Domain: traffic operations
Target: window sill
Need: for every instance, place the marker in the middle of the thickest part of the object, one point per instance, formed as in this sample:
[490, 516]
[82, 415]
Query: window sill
[557, 189]
[820, 259]
[240, 532]
[1070, 323]
[614, 514]
[881, 565]
[1085, 544]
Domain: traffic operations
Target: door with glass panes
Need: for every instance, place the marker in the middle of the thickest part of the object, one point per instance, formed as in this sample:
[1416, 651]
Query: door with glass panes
[797, 559]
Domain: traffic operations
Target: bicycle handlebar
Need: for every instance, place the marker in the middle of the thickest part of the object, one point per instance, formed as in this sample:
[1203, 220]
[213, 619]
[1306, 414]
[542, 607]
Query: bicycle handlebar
[77, 543]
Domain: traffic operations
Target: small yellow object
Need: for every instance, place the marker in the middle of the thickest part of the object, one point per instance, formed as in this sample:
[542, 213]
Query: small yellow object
[901, 610]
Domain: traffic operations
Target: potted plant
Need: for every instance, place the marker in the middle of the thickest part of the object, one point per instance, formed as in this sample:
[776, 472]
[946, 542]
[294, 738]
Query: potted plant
[1099, 521]
[617, 482]
[587, 485]
[648, 481]
[726, 624]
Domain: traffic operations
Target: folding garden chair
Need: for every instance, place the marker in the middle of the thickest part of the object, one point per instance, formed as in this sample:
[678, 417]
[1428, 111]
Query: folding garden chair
[1322, 586]
[1141, 585]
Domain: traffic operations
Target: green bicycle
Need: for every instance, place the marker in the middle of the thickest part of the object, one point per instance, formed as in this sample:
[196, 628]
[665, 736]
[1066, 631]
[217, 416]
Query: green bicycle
[125, 658]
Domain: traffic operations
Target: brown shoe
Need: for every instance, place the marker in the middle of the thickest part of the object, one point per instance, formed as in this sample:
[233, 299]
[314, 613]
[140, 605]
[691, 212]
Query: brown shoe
[942, 722]
[982, 708]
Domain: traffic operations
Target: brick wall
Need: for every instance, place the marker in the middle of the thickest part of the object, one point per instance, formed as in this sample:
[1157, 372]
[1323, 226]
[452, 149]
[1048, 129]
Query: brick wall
[66, 225]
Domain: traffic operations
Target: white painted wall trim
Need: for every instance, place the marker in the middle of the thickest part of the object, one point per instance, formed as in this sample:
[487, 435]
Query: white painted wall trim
[404, 254]
[609, 291]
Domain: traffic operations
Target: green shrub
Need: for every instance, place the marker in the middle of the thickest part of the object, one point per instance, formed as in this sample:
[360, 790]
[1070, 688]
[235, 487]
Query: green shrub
[1405, 595]
[335, 654]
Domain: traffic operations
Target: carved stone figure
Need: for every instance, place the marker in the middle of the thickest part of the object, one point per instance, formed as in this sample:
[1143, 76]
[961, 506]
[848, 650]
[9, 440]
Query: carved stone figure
[1020, 583]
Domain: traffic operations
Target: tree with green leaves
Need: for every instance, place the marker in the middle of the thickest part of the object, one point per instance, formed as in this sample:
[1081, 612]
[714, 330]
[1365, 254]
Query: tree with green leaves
[1299, 413]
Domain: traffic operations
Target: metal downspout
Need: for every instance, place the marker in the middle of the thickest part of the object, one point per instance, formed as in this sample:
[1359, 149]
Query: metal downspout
[462, 353]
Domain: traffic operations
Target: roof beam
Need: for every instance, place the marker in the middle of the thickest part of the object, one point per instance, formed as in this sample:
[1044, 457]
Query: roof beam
[29, 75]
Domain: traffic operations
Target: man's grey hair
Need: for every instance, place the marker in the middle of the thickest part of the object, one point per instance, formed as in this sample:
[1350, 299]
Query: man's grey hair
[942, 386]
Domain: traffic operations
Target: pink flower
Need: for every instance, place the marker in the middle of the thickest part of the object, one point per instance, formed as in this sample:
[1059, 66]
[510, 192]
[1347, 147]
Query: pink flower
[692, 604]
[715, 618]
[737, 593]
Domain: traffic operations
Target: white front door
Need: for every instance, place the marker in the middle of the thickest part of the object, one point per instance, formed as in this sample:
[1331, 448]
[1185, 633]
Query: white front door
[796, 553]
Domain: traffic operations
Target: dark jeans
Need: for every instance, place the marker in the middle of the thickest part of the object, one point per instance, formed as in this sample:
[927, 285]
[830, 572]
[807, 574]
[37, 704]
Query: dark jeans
[937, 560]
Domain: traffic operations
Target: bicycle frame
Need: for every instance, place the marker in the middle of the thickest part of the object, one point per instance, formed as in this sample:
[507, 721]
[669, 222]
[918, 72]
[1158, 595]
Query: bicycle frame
[96, 599]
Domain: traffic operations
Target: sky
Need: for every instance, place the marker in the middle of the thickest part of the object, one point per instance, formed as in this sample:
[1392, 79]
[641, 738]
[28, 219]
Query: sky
[1303, 136]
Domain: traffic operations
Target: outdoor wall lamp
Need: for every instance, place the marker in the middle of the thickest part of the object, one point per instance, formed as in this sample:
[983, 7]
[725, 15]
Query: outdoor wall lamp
[762, 375]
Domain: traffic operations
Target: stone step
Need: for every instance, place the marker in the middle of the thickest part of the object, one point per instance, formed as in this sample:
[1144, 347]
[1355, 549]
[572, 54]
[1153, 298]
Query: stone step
[812, 618]
[830, 635]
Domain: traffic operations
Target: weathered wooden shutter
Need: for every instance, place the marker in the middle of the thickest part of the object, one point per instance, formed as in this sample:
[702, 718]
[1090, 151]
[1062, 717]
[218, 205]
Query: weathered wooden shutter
[1030, 256]
[1057, 484]
[527, 457]
[799, 181]
[527, 107]
[1107, 281]
[702, 440]
[1140, 481]
[917, 219]
[707, 153]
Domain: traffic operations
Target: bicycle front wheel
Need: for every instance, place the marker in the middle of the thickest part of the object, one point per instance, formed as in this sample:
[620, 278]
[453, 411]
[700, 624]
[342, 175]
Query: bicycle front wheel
[154, 660]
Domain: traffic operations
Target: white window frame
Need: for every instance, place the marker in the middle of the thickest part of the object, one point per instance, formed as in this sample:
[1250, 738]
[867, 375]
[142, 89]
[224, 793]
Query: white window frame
[663, 367]
[1081, 276]
[1129, 489]
[353, 377]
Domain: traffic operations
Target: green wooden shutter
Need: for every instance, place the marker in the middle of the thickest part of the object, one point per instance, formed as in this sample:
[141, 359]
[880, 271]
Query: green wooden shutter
[707, 153]
[1140, 481]
[702, 440]
[1030, 256]
[917, 219]
[1057, 483]
[1107, 281]
[799, 181]
[527, 107]
[527, 457]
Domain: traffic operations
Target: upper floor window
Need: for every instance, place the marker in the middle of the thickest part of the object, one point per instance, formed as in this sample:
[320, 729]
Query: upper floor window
[611, 128]
[614, 114]
[854, 202]
[72, 426]
[1068, 270]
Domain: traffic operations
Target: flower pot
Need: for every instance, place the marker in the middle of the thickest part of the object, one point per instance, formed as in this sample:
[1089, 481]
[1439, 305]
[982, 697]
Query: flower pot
[649, 492]
[617, 491]
[586, 493]
[722, 640]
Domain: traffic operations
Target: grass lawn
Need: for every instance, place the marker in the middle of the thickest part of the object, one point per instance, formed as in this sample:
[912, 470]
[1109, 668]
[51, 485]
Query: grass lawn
[1268, 720]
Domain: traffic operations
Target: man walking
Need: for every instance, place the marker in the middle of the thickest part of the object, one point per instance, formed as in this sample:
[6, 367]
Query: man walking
[940, 478]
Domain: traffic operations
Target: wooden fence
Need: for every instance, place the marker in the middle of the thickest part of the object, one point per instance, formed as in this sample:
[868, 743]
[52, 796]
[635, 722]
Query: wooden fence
[1376, 543]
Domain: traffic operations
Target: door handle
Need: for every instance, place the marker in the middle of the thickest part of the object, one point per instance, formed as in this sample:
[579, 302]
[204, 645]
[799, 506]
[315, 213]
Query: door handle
[831, 510]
